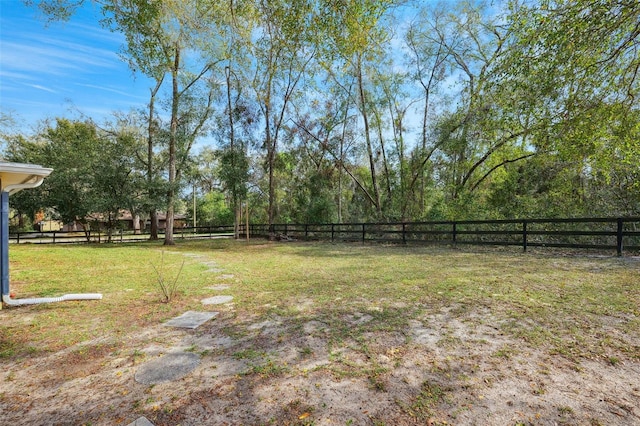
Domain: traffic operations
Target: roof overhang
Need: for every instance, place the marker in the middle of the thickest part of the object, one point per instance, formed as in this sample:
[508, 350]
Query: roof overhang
[17, 176]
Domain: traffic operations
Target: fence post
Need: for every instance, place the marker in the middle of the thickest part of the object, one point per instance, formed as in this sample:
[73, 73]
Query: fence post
[454, 233]
[363, 232]
[332, 225]
[54, 237]
[619, 236]
[524, 235]
[306, 231]
[404, 233]
[18, 238]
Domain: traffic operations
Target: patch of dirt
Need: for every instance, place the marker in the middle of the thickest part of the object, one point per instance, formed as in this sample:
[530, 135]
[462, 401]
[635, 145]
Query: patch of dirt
[453, 366]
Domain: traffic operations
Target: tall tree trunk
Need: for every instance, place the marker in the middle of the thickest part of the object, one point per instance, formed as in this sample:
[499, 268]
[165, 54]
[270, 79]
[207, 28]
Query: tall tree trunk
[398, 136]
[173, 136]
[153, 214]
[341, 165]
[135, 223]
[271, 157]
[365, 118]
[340, 176]
[271, 147]
[385, 164]
[234, 190]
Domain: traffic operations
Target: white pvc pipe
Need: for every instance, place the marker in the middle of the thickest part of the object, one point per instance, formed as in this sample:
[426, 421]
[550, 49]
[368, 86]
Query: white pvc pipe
[37, 300]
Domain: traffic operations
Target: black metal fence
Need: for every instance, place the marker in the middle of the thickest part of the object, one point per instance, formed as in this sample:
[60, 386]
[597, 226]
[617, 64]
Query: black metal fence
[605, 234]
[619, 235]
[117, 236]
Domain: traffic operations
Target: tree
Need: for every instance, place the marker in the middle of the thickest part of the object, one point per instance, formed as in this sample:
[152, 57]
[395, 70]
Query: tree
[427, 59]
[355, 37]
[94, 173]
[578, 95]
[158, 34]
[282, 53]
[234, 132]
[325, 134]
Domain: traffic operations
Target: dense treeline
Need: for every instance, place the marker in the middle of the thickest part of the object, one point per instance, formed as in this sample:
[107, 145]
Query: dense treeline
[359, 110]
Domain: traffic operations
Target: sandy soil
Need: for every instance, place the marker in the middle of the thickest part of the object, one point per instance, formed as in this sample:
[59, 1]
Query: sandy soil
[452, 366]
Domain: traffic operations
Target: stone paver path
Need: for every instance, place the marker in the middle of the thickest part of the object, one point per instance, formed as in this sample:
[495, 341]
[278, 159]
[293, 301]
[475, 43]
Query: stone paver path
[175, 365]
[167, 368]
[190, 319]
[141, 421]
[217, 300]
[218, 287]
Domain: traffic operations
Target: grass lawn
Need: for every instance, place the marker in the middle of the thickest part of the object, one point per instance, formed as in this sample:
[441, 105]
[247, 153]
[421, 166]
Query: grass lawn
[424, 329]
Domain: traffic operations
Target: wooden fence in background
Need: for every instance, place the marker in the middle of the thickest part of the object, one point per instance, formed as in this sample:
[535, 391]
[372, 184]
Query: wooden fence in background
[101, 236]
[619, 235]
[605, 234]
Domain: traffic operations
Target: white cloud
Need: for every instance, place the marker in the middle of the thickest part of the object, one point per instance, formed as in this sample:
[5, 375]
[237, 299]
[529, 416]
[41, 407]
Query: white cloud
[54, 57]
[109, 89]
[39, 87]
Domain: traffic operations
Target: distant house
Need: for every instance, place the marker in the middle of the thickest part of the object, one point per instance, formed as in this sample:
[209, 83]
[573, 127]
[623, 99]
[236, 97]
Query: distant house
[50, 226]
[179, 221]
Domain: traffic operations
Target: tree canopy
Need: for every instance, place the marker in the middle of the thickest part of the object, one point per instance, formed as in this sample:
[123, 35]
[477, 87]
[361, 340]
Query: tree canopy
[355, 110]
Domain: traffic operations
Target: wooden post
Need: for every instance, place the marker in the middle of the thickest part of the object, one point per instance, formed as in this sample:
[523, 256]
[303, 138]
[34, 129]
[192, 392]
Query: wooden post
[454, 233]
[404, 233]
[619, 236]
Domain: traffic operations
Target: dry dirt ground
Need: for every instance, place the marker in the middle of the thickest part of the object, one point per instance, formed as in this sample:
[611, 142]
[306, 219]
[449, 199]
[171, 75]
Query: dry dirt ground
[448, 368]
[452, 366]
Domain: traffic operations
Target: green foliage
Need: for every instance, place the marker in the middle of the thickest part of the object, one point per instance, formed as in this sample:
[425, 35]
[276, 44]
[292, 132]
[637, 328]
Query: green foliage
[234, 171]
[212, 209]
[335, 111]
[94, 173]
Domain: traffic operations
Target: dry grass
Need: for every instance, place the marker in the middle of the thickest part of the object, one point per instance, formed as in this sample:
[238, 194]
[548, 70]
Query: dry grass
[333, 312]
[566, 303]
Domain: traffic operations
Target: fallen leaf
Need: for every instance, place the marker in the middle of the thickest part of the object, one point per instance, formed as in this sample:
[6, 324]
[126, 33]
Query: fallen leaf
[303, 416]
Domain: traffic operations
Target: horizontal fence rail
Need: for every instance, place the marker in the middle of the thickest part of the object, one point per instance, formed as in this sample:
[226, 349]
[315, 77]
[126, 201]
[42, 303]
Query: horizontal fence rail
[621, 235]
[117, 236]
[610, 234]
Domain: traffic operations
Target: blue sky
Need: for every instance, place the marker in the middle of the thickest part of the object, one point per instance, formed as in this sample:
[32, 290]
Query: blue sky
[62, 69]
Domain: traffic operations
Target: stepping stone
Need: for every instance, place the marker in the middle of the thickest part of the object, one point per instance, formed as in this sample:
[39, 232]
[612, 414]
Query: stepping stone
[218, 287]
[194, 255]
[167, 368]
[214, 270]
[141, 421]
[190, 319]
[217, 300]
[226, 277]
